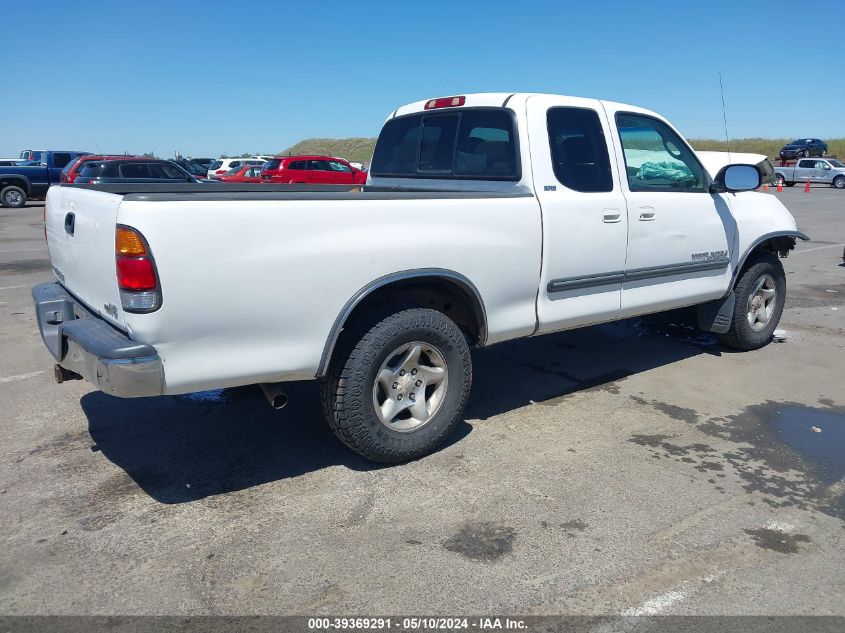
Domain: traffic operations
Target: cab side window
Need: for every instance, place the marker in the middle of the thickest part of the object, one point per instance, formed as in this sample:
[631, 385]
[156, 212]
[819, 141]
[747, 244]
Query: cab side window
[656, 159]
[579, 150]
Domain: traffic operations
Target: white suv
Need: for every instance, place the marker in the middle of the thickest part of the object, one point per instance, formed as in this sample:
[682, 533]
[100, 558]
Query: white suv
[222, 165]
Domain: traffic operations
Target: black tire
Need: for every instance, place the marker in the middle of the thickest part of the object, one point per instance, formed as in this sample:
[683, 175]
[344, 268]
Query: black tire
[741, 335]
[348, 391]
[779, 179]
[806, 153]
[789, 184]
[839, 182]
[12, 197]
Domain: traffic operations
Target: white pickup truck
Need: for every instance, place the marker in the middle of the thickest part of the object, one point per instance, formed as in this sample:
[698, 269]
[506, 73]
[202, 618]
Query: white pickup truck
[485, 218]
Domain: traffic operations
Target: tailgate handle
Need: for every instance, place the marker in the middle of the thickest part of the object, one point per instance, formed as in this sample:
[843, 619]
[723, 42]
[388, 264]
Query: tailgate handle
[70, 223]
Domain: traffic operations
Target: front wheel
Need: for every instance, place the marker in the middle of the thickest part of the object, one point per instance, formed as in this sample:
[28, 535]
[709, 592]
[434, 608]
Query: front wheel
[839, 182]
[806, 153]
[760, 296]
[12, 197]
[399, 385]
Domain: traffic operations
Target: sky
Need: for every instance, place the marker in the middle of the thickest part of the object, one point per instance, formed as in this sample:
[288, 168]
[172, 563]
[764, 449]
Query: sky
[207, 78]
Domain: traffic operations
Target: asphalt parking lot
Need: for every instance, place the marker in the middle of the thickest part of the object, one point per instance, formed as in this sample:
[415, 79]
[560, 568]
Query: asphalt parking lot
[621, 469]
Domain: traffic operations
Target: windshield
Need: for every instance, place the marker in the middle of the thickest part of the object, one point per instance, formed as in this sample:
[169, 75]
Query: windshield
[800, 141]
[836, 163]
[216, 164]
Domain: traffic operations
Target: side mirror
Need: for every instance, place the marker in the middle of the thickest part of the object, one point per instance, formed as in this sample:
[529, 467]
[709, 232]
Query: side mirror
[734, 178]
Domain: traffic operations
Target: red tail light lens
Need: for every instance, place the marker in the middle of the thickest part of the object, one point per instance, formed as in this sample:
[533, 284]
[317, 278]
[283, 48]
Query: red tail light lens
[135, 274]
[137, 277]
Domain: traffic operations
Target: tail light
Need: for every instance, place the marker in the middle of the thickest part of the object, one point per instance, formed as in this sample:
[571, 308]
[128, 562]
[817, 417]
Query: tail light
[137, 277]
[445, 102]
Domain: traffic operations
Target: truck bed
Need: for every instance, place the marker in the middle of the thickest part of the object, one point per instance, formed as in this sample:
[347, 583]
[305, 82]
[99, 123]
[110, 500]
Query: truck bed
[252, 191]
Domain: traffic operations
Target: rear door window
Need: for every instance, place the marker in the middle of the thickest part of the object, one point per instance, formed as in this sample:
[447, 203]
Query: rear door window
[807, 164]
[579, 150]
[135, 170]
[60, 159]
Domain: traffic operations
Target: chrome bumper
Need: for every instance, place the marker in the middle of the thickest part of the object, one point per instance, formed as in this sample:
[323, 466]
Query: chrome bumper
[87, 345]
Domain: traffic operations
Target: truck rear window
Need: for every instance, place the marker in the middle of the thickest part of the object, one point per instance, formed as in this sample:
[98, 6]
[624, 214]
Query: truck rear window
[472, 144]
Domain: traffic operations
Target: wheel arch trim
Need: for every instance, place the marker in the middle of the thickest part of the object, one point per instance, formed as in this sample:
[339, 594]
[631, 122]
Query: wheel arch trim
[757, 242]
[11, 178]
[421, 273]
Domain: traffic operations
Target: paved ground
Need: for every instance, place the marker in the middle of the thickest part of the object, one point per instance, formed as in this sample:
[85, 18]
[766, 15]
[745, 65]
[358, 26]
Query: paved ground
[630, 468]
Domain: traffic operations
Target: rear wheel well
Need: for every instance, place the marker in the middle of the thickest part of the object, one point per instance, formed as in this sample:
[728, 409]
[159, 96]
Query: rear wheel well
[457, 300]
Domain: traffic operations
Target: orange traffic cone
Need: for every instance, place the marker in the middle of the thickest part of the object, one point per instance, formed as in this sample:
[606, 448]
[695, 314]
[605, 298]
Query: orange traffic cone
[807, 187]
[780, 186]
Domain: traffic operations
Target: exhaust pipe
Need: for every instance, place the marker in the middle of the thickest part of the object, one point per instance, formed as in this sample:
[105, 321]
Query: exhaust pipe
[274, 394]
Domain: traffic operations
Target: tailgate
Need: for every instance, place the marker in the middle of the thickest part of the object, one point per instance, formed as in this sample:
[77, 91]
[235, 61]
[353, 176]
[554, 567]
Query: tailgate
[80, 237]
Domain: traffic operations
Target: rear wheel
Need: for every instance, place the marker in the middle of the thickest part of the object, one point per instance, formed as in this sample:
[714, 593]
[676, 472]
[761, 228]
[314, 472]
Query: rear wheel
[839, 182]
[399, 385]
[779, 179]
[760, 296]
[13, 197]
[789, 184]
[806, 153]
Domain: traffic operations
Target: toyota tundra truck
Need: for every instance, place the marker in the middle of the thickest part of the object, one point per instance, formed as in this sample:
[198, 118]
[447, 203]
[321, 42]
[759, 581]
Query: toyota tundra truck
[485, 218]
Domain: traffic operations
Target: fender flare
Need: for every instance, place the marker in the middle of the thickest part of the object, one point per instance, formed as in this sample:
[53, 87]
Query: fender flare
[381, 282]
[27, 185]
[763, 238]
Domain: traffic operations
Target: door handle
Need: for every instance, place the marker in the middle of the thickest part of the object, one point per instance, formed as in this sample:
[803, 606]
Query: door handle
[70, 223]
[611, 215]
[646, 214]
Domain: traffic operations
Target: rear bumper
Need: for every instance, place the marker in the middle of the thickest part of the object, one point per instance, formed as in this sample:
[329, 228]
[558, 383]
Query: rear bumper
[83, 343]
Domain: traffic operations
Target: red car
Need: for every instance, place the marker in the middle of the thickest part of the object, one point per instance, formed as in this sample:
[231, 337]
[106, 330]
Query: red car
[71, 171]
[323, 170]
[243, 173]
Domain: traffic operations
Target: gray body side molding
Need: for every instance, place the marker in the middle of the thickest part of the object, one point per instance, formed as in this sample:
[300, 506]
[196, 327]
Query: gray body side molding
[434, 273]
[763, 238]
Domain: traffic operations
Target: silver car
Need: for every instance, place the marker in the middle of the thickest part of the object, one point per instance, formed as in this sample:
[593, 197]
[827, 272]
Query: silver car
[821, 170]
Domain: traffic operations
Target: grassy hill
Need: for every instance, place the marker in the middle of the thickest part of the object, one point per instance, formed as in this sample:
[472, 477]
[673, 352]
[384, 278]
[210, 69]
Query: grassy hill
[768, 146]
[357, 149]
[360, 149]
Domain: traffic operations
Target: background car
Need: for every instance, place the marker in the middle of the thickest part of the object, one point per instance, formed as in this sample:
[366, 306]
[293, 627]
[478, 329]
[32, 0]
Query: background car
[134, 170]
[803, 147]
[72, 169]
[243, 173]
[324, 170]
[196, 169]
[222, 165]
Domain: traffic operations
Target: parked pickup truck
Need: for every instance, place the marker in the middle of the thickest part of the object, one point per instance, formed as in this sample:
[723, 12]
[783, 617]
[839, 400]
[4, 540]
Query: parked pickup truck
[485, 218]
[822, 170]
[21, 183]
